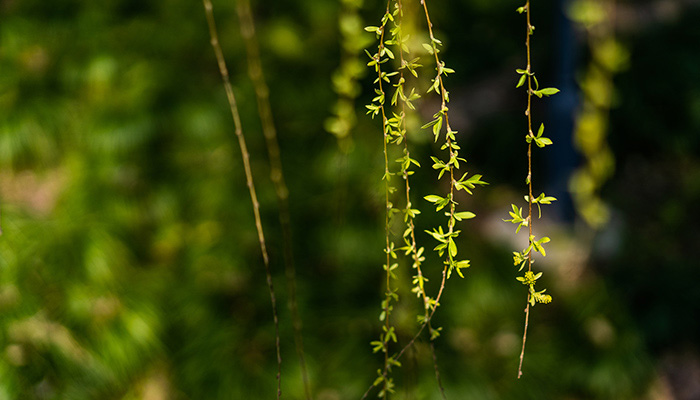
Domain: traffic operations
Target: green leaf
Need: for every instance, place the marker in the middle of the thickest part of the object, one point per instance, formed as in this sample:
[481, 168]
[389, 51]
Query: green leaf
[389, 53]
[464, 215]
[548, 91]
[379, 379]
[452, 248]
[438, 234]
[542, 199]
[459, 265]
[538, 245]
[431, 123]
[541, 142]
[434, 198]
[521, 81]
[377, 346]
[435, 333]
[437, 127]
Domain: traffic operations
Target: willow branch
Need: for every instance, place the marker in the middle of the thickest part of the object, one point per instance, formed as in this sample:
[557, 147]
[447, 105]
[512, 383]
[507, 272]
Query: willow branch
[528, 33]
[262, 94]
[249, 178]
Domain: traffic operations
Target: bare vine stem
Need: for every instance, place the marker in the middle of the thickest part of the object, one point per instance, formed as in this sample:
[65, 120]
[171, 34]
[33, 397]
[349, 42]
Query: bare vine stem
[249, 178]
[262, 94]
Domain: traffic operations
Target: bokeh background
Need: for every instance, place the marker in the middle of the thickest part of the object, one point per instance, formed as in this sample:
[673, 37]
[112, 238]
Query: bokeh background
[129, 261]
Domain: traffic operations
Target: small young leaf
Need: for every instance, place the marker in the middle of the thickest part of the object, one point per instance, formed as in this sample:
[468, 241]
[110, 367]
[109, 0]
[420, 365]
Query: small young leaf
[429, 124]
[437, 127]
[434, 198]
[452, 248]
[548, 91]
[464, 215]
[541, 142]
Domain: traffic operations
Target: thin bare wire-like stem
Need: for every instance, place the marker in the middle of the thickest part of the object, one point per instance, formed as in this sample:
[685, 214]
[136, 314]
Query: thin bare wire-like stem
[262, 94]
[249, 178]
[529, 175]
[522, 352]
[437, 370]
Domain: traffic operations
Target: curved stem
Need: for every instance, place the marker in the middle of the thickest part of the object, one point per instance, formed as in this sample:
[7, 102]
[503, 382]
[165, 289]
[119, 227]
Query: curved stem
[249, 179]
[262, 94]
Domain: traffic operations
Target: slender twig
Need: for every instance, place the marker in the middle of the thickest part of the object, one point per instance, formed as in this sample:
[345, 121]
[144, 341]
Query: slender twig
[415, 337]
[451, 215]
[262, 94]
[411, 225]
[528, 33]
[249, 179]
[437, 370]
[451, 222]
[388, 250]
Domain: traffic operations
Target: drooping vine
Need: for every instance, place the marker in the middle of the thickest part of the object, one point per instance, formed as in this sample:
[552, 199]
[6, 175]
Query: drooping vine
[394, 133]
[223, 70]
[255, 72]
[525, 257]
[378, 107]
[447, 240]
[447, 167]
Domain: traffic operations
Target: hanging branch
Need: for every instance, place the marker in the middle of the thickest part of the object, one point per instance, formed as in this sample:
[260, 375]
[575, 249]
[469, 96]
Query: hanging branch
[262, 94]
[411, 247]
[249, 179]
[524, 257]
[394, 131]
[378, 107]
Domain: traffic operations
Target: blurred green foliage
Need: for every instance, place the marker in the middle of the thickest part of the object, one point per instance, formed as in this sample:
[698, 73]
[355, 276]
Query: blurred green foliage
[129, 266]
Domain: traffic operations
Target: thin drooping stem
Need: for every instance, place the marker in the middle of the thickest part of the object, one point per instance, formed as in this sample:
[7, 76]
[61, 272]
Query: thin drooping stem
[410, 223]
[405, 174]
[437, 370]
[415, 337]
[262, 94]
[528, 33]
[449, 262]
[387, 229]
[444, 98]
[386, 303]
[451, 222]
[249, 178]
